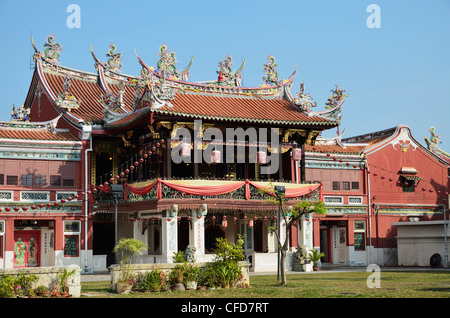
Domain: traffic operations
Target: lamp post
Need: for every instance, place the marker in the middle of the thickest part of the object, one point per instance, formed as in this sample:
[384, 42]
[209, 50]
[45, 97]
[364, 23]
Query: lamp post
[279, 191]
[445, 234]
[116, 192]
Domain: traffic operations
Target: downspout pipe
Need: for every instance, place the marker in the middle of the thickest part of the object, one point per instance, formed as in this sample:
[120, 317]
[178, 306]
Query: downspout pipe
[86, 135]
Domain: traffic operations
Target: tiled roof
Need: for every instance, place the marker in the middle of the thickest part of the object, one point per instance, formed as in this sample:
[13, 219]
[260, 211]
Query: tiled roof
[335, 149]
[238, 109]
[35, 134]
[209, 106]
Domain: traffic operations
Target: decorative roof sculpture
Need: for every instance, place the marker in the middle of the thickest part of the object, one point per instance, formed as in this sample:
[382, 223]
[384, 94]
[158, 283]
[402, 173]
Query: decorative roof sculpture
[52, 50]
[111, 97]
[114, 62]
[271, 70]
[433, 145]
[20, 114]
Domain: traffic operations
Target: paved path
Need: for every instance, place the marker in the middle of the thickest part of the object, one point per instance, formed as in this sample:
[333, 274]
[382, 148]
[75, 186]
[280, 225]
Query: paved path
[105, 276]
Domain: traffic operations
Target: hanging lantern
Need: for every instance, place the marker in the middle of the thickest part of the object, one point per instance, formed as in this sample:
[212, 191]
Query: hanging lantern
[235, 219]
[261, 157]
[224, 224]
[33, 207]
[250, 223]
[16, 208]
[131, 167]
[136, 163]
[154, 148]
[111, 180]
[149, 153]
[213, 218]
[41, 205]
[141, 160]
[185, 150]
[63, 200]
[127, 171]
[7, 209]
[215, 156]
[24, 208]
[145, 155]
[297, 154]
[158, 145]
[122, 174]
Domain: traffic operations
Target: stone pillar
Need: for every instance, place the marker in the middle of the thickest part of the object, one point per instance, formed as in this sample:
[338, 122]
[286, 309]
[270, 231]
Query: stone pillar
[306, 232]
[197, 234]
[169, 235]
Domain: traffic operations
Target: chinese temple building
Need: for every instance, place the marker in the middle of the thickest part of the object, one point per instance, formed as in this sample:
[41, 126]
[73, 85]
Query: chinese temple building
[171, 162]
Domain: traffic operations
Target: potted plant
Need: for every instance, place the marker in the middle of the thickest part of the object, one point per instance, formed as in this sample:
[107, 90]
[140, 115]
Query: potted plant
[176, 277]
[315, 256]
[128, 248]
[63, 284]
[42, 291]
[190, 275]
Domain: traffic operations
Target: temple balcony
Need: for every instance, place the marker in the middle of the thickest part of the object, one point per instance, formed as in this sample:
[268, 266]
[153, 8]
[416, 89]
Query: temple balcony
[160, 194]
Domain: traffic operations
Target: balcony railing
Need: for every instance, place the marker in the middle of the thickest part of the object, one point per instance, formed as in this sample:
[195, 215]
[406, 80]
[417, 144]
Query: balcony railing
[200, 189]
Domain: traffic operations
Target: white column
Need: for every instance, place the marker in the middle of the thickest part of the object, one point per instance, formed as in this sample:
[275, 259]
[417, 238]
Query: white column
[197, 234]
[169, 237]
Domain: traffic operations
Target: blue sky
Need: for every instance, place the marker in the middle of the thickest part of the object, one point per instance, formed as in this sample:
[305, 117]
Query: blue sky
[396, 74]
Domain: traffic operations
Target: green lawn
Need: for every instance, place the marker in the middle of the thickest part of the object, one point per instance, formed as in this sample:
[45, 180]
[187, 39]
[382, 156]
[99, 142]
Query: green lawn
[309, 285]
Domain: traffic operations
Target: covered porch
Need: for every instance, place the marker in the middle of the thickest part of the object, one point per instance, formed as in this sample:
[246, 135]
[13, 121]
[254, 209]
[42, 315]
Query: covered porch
[172, 215]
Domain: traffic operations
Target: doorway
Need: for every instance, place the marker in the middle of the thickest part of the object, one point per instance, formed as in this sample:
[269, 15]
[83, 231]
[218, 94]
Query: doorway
[26, 249]
[325, 245]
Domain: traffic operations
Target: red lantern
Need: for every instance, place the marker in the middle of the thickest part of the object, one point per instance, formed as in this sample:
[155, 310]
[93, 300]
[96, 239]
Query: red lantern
[33, 207]
[235, 219]
[136, 163]
[185, 150]
[141, 160]
[158, 145]
[127, 171]
[24, 208]
[56, 203]
[213, 218]
[41, 205]
[149, 153]
[154, 148]
[63, 200]
[106, 183]
[7, 209]
[215, 156]
[297, 154]
[111, 180]
[16, 208]
[261, 157]
[69, 198]
[122, 175]
[131, 168]
[117, 177]
[76, 196]
[162, 141]
[145, 155]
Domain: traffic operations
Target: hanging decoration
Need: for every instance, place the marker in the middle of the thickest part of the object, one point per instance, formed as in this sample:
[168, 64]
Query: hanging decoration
[296, 154]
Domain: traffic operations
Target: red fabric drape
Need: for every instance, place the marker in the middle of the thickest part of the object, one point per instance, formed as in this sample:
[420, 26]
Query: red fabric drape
[205, 190]
[217, 188]
[290, 192]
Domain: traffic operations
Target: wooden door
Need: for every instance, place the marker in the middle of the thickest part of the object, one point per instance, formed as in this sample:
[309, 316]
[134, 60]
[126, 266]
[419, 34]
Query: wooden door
[26, 248]
[340, 245]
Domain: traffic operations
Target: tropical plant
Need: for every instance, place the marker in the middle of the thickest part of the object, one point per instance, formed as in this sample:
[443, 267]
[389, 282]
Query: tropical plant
[290, 215]
[128, 248]
[314, 256]
[152, 280]
[178, 257]
[7, 286]
[41, 289]
[23, 284]
[63, 277]
[177, 273]
[190, 272]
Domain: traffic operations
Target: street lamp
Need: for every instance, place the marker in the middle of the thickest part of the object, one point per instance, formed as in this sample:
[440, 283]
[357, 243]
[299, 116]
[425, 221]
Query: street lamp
[116, 192]
[279, 192]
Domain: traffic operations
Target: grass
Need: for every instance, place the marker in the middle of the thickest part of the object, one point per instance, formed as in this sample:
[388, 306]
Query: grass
[309, 285]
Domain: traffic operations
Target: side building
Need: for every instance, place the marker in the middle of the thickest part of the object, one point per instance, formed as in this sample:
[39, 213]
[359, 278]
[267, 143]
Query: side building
[42, 219]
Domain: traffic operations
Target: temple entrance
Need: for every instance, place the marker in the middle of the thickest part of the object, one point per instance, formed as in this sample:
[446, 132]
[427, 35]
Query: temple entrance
[103, 238]
[183, 234]
[26, 248]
